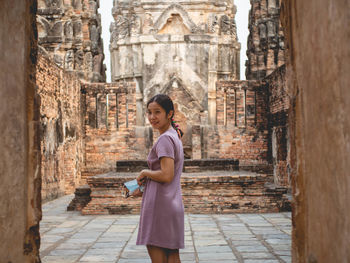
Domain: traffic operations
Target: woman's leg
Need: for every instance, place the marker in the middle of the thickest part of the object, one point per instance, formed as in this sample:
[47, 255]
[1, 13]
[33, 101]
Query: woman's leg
[157, 254]
[173, 256]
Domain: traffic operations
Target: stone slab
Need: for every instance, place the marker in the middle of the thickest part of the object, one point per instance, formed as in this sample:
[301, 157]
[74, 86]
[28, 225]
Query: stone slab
[208, 239]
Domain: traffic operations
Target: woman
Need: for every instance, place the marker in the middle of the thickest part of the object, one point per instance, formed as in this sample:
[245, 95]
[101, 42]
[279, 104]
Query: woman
[161, 226]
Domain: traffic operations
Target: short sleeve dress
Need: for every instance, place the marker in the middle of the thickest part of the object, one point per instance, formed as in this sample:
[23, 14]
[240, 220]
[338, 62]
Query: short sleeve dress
[162, 210]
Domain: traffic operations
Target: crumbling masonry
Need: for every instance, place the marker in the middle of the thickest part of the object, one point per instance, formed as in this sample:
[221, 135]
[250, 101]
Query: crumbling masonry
[317, 152]
[69, 31]
[188, 51]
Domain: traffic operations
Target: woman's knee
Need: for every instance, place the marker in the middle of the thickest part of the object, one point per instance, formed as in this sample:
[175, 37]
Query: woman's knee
[173, 256]
[157, 254]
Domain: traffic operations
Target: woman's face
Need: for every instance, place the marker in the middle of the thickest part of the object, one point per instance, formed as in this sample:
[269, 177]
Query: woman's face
[158, 117]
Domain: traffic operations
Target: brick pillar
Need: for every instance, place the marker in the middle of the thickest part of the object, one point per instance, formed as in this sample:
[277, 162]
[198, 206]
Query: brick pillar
[196, 142]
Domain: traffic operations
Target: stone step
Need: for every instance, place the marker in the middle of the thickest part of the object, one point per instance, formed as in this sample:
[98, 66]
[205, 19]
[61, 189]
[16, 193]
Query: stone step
[81, 198]
[209, 192]
[189, 165]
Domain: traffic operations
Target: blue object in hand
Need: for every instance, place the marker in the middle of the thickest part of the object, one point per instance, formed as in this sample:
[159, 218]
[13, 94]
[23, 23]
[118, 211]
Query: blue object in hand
[132, 186]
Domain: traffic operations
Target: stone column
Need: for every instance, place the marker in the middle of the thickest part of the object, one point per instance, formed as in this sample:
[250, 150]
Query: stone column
[212, 78]
[20, 174]
[238, 61]
[196, 142]
[139, 102]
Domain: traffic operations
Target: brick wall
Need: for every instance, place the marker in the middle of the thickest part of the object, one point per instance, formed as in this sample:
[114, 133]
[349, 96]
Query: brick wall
[110, 127]
[279, 103]
[214, 192]
[111, 132]
[86, 128]
[241, 131]
[61, 129]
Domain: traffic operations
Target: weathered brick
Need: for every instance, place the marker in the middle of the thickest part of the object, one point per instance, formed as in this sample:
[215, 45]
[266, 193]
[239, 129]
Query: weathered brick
[202, 193]
[61, 134]
[265, 41]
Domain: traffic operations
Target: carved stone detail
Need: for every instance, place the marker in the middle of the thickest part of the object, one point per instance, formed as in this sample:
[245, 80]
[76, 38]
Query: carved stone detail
[77, 28]
[228, 26]
[53, 3]
[93, 6]
[94, 37]
[120, 28]
[265, 41]
[147, 27]
[125, 26]
[88, 62]
[69, 60]
[52, 29]
[76, 4]
[213, 24]
[135, 25]
[175, 9]
[58, 60]
[79, 59]
[68, 30]
[60, 26]
[225, 25]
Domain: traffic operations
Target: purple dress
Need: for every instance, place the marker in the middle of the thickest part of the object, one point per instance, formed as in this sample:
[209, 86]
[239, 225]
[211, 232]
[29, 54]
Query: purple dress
[162, 210]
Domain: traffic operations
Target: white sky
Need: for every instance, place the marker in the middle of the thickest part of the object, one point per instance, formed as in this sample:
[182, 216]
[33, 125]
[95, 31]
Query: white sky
[243, 7]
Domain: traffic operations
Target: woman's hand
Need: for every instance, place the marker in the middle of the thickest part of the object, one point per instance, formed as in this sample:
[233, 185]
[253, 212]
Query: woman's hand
[136, 193]
[142, 177]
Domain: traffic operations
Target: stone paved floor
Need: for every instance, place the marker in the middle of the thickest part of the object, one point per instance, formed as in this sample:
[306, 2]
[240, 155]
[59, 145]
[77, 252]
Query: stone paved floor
[250, 238]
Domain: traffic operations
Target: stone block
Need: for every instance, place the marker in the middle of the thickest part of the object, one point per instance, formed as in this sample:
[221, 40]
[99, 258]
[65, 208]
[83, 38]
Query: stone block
[203, 193]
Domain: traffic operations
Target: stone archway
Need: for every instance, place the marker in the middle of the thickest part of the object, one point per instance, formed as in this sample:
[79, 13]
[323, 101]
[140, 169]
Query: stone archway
[187, 111]
[177, 11]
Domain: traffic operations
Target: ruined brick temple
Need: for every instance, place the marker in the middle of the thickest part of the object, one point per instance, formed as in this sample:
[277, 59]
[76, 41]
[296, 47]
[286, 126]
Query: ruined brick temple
[188, 50]
[247, 142]
[60, 130]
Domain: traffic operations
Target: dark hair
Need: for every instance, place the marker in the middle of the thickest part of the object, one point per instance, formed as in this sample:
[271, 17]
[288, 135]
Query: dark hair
[167, 104]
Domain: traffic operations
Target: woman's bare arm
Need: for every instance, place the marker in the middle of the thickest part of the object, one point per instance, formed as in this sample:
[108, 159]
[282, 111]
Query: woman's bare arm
[164, 175]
